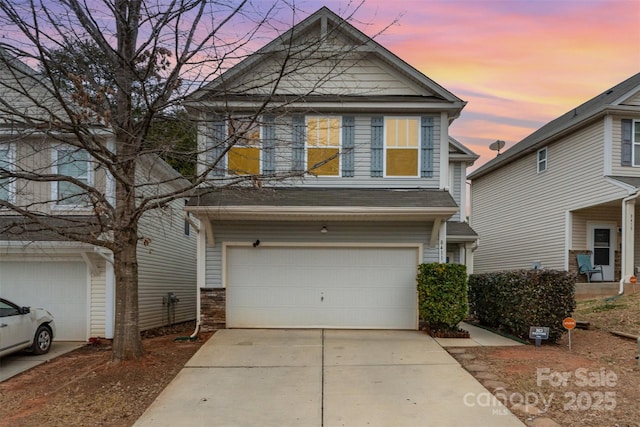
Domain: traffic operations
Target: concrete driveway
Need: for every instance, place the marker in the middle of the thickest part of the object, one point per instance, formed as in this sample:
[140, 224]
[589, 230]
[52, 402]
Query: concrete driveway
[324, 378]
[17, 363]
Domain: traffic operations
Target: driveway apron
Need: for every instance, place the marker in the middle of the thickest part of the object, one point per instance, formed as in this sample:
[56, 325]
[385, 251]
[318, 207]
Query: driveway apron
[318, 377]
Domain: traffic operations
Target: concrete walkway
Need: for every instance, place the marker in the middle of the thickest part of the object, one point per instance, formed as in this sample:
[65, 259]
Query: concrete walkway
[324, 378]
[479, 337]
[17, 363]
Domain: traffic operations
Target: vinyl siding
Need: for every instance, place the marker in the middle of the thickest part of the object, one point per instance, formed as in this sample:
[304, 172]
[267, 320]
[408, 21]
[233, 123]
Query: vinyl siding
[362, 159]
[309, 232]
[353, 74]
[633, 100]
[97, 300]
[35, 154]
[167, 264]
[520, 215]
[580, 220]
[617, 169]
[456, 188]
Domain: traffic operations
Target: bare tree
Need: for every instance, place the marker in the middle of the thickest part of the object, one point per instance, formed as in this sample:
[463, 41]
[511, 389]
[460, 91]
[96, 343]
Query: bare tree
[155, 53]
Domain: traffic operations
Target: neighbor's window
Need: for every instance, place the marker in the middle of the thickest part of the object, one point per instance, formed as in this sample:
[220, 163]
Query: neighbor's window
[402, 144]
[244, 157]
[635, 138]
[323, 145]
[7, 189]
[74, 163]
[542, 160]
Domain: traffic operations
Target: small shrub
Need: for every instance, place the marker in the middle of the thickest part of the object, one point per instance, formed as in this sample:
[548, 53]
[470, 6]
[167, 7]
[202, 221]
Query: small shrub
[442, 294]
[513, 301]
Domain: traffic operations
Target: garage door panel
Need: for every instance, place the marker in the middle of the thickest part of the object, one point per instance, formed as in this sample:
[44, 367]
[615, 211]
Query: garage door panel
[60, 287]
[342, 287]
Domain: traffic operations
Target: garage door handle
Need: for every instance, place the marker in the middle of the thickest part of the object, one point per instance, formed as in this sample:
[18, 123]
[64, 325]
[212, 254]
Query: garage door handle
[2, 325]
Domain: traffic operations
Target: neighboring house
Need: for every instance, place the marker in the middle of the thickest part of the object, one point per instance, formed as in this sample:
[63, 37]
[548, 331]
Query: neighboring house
[568, 188]
[337, 246]
[75, 281]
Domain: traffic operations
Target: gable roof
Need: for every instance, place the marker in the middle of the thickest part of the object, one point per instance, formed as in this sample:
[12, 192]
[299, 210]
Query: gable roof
[361, 42]
[457, 151]
[610, 100]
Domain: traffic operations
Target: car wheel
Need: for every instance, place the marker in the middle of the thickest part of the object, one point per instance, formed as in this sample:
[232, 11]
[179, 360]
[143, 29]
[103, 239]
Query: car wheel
[42, 340]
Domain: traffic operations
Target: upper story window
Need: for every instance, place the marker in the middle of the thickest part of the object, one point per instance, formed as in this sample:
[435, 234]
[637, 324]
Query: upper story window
[74, 163]
[635, 138]
[542, 160]
[244, 157]
[323, 145]
[7, 185]
[402, 146]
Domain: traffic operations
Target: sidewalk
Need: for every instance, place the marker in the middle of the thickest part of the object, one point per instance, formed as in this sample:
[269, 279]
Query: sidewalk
[479, 338]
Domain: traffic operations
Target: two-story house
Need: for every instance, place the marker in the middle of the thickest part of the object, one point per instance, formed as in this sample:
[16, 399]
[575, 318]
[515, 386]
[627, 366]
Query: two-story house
[375, 186]
[43, 261]
[568, 188]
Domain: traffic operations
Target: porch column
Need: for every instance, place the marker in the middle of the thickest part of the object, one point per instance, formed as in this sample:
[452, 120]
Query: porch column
[468, 256]
[628, 233]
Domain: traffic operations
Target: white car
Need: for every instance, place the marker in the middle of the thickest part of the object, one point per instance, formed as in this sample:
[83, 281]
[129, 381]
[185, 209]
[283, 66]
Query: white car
[25, 328]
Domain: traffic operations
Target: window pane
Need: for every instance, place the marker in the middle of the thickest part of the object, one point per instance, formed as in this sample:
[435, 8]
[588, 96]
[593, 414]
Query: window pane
[323, 132]
[601, 256]
[334, 132]
[312, 131]
[323, 161]
[243, 132]
[6, 165]
[391, 132]
[402, 162]
[601, 237]
[413, 127]
[402, 134]
[244, 160]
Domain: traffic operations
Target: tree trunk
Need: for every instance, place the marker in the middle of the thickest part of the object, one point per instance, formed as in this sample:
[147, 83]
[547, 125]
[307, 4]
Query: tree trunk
[127, 343]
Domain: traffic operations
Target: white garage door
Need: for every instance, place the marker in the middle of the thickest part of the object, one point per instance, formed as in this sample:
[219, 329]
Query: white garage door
[60, 287]
[334, 287]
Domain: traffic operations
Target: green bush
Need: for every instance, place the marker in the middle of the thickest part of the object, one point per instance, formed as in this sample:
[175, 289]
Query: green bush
[442, 294]
[513, 301]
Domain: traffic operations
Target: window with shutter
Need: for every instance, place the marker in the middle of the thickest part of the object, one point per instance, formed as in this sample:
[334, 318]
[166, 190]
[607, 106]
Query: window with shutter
[243, 157]
[402, 146]
[323, 145]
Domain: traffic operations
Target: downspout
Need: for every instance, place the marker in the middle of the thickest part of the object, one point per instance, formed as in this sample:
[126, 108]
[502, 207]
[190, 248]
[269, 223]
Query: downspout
[627, 239]
[200, 247]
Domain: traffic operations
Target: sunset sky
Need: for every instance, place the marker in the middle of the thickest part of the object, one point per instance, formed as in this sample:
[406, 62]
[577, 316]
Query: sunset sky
[518, 63]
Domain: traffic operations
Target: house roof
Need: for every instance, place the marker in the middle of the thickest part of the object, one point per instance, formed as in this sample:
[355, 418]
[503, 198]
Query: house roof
[362, 42]
[284, 203]
[20, 228]
[609, 100]
[458, 151]
[460, 229]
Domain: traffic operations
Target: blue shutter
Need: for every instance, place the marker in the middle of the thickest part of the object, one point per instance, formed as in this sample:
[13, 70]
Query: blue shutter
[297, 143]
[627, 149]
[268, 145]
[426, 148]
[217, 158]
[348, 146]
[377, 146]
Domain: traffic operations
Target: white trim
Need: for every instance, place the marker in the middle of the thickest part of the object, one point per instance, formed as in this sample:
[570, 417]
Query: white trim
[87, 304]
[345, 213]
[258, 145]
[306, 144]
[544, 161]
[634, 144]
[11, 159]
[613, 244]
[608, 145]
[201, 260]
[444, 150]
[54, 184]
[568, 237]
[416, 148]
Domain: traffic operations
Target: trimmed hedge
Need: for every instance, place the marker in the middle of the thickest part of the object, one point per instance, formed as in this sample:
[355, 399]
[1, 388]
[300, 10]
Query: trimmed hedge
[442, 294]
[513, 301]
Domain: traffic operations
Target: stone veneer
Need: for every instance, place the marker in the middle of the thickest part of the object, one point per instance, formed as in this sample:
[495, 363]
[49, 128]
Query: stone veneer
[213, 309]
